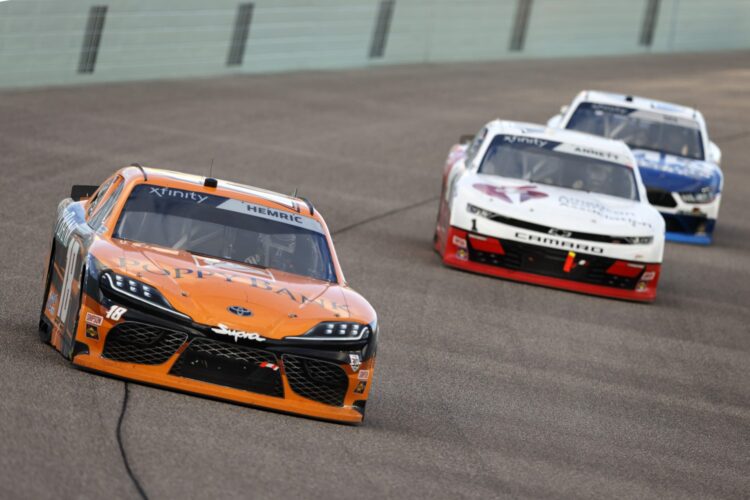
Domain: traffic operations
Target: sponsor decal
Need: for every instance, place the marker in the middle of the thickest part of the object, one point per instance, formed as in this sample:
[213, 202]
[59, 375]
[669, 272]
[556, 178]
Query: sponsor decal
[360, 387]
[161, 192]
[459, 242]
[239, 311]
[553, 242]
[596, 208]
[641, 286]
[648, 276]
[462, 254]
[115, 313]
[674, 165]
[355, 361]
[508, 193]
[92, 332]
[65, 227]
[270, 366]
[93, 319]
[607, 108]
[363, 375]
[51, 303]
[134, 266]
[237, 334]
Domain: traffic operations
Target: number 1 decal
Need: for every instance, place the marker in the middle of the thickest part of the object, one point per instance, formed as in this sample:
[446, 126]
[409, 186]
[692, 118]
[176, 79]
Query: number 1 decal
[115, 313]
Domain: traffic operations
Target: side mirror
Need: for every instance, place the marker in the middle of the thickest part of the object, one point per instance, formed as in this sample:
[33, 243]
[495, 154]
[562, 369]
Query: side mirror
[554, 122]
[465, 139]
[80, 192]
[714, 153]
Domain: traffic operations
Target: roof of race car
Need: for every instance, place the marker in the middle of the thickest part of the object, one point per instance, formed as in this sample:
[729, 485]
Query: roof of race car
[572, 137]
[224, 188]
[642, 103]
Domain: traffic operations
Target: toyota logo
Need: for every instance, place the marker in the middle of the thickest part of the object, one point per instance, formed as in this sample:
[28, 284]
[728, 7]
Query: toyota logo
[559, 232]
[239, 311]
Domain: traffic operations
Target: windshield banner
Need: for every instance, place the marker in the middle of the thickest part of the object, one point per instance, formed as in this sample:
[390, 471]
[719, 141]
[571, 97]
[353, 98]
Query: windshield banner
[264, 212]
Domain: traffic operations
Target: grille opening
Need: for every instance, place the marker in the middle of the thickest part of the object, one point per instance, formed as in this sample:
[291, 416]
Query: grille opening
[142, 343]
[684, 224]
[230, 365]
[320, 381]
[660, 198]
[550, 262]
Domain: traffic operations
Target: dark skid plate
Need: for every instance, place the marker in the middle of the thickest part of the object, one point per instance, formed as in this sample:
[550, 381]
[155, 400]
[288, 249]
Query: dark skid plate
[240, 369]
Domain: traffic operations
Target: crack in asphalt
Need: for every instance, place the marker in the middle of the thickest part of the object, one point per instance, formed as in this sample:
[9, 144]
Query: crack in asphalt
[384, 215]
[120, 443]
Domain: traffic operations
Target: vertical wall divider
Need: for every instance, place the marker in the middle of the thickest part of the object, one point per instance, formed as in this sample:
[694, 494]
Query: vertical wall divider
[650, 17]
[520, 25]
[382, 28]
[240, 34]
[92, 38]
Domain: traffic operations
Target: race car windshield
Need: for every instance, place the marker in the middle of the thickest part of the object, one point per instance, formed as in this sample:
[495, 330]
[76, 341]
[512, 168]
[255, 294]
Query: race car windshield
[640, 129]
[542, 162]
[228, 229]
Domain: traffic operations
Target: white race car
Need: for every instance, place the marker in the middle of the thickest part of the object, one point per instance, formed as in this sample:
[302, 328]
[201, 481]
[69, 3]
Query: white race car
[678, 163]
[550, 207]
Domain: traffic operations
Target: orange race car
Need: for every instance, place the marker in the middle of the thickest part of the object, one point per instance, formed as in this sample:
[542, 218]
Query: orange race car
[208, 287]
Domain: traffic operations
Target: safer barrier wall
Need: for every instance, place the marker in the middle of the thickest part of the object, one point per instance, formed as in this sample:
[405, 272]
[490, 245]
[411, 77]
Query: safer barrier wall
[49, 42]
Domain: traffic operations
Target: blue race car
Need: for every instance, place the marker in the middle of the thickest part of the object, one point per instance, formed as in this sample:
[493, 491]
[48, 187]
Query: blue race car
[678, 163]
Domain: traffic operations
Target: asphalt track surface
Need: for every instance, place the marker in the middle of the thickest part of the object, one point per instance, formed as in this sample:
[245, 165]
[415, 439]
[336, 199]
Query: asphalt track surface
[484, 388]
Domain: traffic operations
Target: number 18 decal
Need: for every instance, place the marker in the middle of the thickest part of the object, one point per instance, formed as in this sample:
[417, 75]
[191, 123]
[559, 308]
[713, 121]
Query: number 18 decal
[115, 313]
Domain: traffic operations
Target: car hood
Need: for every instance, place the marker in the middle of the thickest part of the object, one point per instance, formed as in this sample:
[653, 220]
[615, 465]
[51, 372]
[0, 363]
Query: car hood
[676, 173]
[205, 289]
[561, 208]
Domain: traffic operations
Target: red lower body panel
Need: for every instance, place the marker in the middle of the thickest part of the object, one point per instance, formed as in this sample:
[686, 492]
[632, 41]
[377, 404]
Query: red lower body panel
[457, 246]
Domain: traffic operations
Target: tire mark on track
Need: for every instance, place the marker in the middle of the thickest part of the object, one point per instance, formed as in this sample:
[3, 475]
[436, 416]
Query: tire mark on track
[384, 215]
[124, 455]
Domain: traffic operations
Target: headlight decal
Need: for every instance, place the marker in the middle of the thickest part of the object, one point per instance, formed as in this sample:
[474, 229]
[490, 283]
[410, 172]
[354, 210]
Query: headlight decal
[138, 291]
[340, 331]
[705, 195]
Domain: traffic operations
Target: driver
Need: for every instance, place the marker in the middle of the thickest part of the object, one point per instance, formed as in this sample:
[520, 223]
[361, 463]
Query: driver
[594, 180]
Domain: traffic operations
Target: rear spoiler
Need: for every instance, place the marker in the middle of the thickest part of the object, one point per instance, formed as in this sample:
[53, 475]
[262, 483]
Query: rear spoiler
[79, 192]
